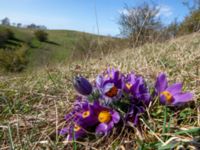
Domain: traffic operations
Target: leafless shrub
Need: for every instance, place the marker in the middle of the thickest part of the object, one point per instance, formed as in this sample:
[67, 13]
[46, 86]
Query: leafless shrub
[140, 24]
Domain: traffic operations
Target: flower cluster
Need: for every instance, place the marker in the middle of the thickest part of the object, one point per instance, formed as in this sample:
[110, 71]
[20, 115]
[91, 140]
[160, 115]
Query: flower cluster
[116, 97]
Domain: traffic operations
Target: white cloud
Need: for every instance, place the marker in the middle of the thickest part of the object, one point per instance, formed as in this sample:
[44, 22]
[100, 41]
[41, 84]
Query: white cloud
[164, 11]
[123, 11]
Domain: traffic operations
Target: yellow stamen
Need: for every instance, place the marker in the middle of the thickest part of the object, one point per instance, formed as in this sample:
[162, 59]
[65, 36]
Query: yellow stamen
[85, 114]
[76, 127]
[104, 116]
[128, 85]
[167, 95]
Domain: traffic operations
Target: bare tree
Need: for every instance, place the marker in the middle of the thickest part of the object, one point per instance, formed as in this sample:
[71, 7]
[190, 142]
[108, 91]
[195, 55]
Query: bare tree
[139, 23]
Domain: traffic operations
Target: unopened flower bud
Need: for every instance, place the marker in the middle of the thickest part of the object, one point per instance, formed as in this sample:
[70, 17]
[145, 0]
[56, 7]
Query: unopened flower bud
[82, 85]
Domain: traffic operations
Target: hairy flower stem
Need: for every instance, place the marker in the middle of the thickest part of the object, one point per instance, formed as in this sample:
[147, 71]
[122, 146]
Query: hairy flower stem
[165, 120]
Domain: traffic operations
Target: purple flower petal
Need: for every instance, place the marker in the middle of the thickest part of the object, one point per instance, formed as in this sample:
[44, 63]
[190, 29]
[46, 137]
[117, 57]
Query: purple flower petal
[102, 128]
[182, 98]
[75, 134]
[63, 131]
[162, 99]
[137, 84]
[110, 125]
[107, 87]
[146, 98]
[116, 75]
[175, 88]
[99, 81]
[161, 83]
[115, 117]
[136, 119]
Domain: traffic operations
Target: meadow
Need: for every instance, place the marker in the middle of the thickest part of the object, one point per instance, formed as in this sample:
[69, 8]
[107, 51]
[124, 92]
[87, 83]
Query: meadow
[33, 103]
[62, 46]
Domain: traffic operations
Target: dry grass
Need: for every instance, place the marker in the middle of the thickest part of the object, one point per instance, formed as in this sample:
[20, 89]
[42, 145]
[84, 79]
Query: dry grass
[33, 104]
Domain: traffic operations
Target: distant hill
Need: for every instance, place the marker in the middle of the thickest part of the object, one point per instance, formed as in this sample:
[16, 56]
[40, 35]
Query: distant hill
[60, 47]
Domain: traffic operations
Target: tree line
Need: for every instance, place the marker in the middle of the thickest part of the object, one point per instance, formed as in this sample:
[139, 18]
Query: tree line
[6, 22]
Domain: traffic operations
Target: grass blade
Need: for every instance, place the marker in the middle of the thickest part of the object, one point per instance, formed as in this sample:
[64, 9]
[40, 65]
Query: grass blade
[10, 137]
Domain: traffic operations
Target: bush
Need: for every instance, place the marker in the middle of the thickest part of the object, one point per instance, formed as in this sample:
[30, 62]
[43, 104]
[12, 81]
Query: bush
[34, 43]
[41, 35]
[140, 24]
[5, 35]
[13, 60]
[10, 34]
[191, 23]
[93, 46]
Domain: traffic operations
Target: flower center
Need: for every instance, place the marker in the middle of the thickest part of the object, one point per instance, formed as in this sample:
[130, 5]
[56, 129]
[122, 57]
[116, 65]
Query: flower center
[128, 85]
[85, 114]
[104, 116]
[112, 92]
[76, 128]
[167, 95]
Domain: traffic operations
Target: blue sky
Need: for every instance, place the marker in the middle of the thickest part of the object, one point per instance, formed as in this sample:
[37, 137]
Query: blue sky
[80, 14]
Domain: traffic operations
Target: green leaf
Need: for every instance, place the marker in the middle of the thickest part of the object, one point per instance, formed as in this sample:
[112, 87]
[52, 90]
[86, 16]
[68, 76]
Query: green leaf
[195, 131]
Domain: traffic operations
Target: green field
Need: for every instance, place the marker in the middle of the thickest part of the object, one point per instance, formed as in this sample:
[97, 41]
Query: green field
[61, 46]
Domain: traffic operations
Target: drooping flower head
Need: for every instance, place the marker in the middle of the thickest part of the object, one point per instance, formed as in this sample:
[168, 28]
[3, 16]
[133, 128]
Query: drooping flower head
[171, 95]
[110, 84]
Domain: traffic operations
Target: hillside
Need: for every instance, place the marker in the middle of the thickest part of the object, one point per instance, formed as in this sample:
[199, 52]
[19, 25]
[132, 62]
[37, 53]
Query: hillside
[33, 105]
[62, 45]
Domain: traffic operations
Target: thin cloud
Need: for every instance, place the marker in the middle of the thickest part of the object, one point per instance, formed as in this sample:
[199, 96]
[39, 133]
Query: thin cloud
[164, 11]
[123, 11]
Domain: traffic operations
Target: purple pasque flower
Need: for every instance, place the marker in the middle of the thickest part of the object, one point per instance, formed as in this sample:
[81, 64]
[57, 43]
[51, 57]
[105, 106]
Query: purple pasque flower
[73, 132]
[138, 104]
[86, 116]
[107, 118]
[83, 118]
[128, 82]
[109, 84]
[140, 91]
[171, 95]
[136, 87]
[134, 112]
[83, 113]
[139, 100]
[82, 85]
[79, 106]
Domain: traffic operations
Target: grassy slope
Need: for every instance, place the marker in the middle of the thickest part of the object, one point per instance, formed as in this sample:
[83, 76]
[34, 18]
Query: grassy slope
[59, 47]
[33, 105]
